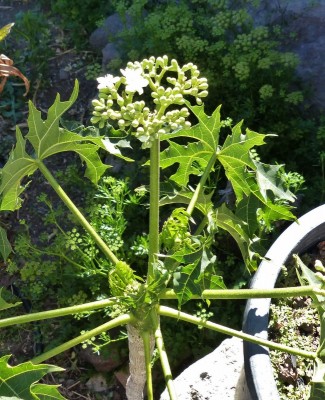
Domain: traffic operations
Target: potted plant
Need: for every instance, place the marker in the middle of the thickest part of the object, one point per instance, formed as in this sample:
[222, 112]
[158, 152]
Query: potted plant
[300, 236]
[181, 264]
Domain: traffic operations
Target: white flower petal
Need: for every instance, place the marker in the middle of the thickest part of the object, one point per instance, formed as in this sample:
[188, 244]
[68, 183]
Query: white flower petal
[107, 81]
[135, 82]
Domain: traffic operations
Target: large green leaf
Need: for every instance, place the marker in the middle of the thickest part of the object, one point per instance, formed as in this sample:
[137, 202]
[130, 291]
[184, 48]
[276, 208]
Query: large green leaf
[192, 157]
[47, 138]
[21, 381]
[5, 246]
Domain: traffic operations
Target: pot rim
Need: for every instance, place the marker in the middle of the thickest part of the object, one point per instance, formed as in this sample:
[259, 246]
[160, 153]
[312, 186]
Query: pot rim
[297, 238]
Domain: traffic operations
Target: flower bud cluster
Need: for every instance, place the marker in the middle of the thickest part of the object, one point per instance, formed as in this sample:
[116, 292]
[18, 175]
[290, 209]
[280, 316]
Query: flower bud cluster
[170, 84]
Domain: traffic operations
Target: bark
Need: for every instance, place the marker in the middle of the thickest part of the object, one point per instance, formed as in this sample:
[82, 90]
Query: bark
[137, 378]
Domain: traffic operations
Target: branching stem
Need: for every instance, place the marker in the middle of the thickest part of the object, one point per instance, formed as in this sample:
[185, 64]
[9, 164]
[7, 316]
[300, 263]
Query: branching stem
[170, 312]
[226, 294]
[60, 312]
[75, 211]
[121, 320]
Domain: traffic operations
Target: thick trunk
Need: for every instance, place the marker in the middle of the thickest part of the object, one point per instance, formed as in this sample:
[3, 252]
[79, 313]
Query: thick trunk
[137, 379]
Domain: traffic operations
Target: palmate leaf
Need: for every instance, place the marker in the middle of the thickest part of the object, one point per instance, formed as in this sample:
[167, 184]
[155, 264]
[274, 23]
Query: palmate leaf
[47, 138]
[236, 159]
[5, 246]
[195, 274]
[21, 381]
[194, 156]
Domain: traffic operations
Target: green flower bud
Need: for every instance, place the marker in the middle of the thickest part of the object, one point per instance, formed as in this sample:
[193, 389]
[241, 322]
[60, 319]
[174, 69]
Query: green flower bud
[163, 99]
[96, 103]
[184, 112]
[135, 123]
[161, 90]
[171, 80]
[121, 123]
[203, 86]
[179, 99]
[204, 93]
[97, 113]
[95, 120]
[120, 101]
[174, 65]
[195, 73]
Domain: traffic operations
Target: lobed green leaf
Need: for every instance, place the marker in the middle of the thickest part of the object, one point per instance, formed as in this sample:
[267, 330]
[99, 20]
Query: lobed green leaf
[21, 380]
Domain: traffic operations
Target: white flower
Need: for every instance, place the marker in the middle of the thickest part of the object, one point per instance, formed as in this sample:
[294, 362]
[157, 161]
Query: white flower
[107, 81]
[134, 79]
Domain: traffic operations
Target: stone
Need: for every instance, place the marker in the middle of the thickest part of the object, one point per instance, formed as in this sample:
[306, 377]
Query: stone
[97, 383]
[104, 38]
[219, 375]
[105, 33]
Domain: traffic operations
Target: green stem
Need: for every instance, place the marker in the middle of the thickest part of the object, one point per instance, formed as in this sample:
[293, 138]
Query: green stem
[200, 186]
[121, 320]
[165, 364]
[75, 211]
[179, 315]
[154, 206]
[225, 294]
[60, 312]
[147, 354]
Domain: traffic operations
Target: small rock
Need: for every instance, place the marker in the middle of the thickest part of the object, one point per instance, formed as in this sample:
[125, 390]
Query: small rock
[97, 383]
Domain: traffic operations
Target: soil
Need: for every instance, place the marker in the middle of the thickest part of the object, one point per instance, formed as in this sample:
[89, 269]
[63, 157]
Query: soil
[295, 322]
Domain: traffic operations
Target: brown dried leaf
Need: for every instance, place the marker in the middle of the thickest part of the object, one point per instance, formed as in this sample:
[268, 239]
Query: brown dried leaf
[7, 69]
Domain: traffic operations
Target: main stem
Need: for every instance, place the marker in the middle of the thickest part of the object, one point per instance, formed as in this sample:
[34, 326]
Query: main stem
[154, 206]
[75, 211]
